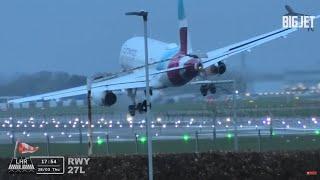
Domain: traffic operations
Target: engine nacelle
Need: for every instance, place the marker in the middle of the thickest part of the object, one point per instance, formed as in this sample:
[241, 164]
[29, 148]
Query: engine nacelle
[104, 98]
[212, 70]
[222, 67]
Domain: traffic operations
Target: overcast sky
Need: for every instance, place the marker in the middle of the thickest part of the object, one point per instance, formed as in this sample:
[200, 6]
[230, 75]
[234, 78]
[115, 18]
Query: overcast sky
[85, 36]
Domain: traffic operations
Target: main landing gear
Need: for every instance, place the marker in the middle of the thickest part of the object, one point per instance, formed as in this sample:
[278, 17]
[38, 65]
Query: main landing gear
[204, 89]
[140, 107]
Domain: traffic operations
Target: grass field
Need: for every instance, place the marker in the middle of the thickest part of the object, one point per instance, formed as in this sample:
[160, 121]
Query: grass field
[279, 143]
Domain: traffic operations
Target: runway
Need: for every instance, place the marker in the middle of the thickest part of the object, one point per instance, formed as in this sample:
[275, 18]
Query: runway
[74, 130]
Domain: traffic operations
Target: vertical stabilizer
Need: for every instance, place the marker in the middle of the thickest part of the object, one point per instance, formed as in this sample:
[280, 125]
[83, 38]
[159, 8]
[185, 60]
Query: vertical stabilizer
[185, 45]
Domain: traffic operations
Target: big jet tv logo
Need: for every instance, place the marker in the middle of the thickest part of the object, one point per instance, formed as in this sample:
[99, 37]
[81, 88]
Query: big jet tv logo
[302, 22]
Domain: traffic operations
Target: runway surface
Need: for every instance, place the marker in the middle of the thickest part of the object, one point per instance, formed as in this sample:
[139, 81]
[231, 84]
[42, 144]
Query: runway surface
[69, 129]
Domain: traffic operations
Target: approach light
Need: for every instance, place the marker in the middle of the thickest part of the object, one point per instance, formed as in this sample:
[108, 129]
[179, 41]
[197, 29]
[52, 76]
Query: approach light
[142, 139]
[186, 137]
[99, 141]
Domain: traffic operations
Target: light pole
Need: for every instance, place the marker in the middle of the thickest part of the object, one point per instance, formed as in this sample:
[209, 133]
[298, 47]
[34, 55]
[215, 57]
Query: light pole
[236, 146]
[144, 15]
[89, 84]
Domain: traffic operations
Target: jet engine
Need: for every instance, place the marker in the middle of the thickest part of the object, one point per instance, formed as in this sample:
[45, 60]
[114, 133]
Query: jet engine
[219, 68]
[222, 67]
[104, 98]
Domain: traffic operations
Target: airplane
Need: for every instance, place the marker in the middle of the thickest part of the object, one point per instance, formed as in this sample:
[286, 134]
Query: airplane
[170, 65]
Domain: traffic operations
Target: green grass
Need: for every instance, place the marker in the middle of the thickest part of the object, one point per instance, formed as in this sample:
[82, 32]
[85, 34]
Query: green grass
[278, 143]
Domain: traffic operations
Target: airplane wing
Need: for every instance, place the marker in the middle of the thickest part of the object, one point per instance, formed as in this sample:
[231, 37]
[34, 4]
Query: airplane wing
[113, 84]
[211, 82]
[116, 83]
[215, 56]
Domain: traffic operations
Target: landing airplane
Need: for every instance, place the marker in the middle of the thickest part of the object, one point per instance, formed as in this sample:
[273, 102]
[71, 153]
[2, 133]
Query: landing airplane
[170, 65]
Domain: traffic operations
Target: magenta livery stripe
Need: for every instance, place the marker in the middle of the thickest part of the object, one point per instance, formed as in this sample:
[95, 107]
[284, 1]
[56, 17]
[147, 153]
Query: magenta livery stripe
[175, 76]
[183, 40]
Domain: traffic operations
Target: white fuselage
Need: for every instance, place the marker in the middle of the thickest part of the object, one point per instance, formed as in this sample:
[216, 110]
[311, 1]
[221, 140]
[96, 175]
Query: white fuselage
[162, 56]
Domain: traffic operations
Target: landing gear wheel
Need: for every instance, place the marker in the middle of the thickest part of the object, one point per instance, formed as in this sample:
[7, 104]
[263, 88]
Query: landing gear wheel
[212, 89]
[204, 90]
[132, 110]
[140, 108]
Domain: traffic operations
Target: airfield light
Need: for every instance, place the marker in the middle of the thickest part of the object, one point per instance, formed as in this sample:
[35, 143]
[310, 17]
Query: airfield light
[229, 135]
[99, 141]
[143, 139]
[317, 132]
[186, 137]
